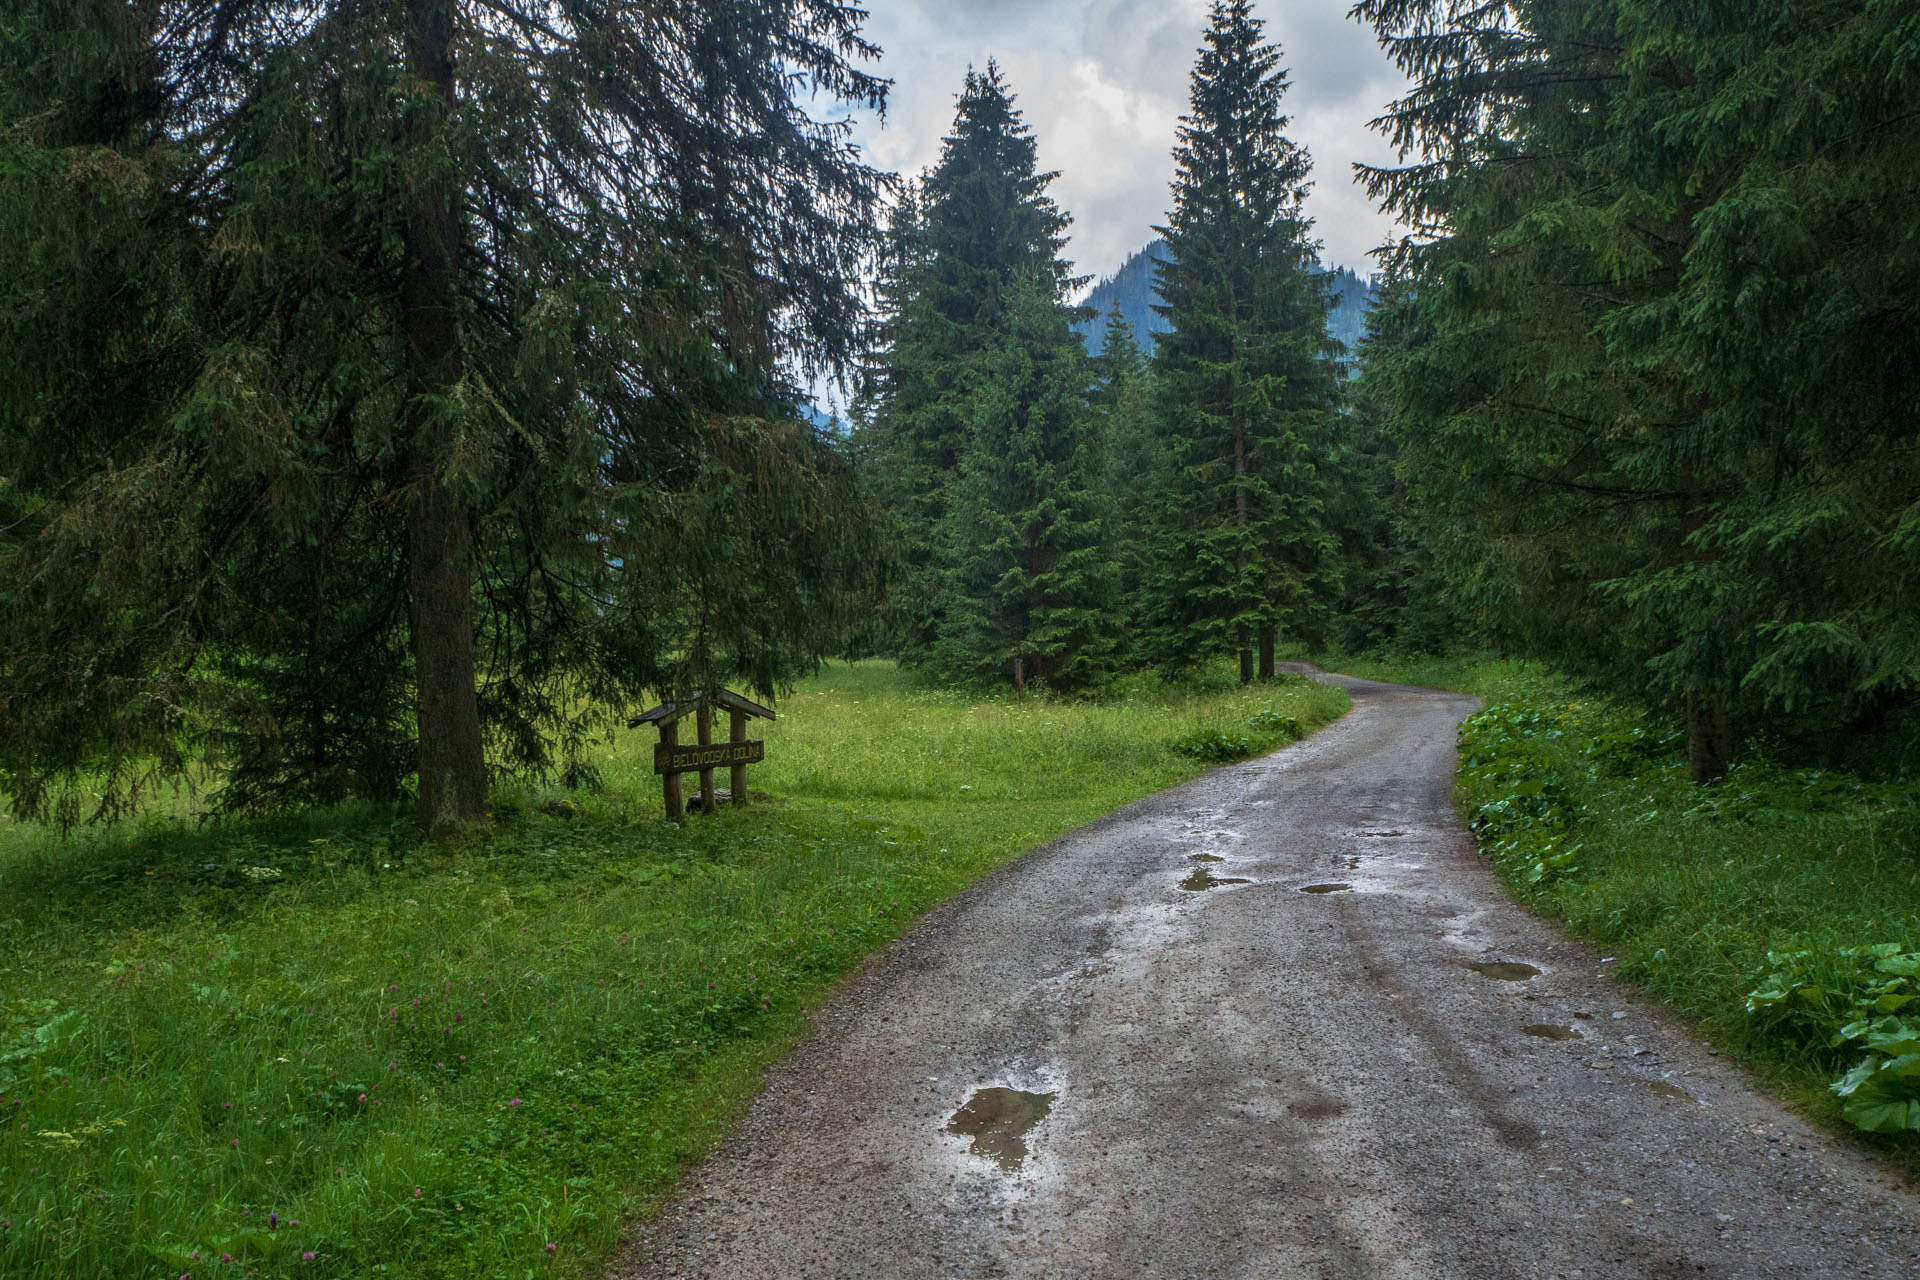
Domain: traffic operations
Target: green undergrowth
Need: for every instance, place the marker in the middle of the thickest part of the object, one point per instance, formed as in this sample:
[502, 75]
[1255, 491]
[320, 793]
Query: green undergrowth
[321, 1048]
[1779, 909]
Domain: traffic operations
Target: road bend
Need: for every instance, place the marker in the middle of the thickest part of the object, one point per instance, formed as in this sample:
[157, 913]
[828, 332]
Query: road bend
[1280, 1021]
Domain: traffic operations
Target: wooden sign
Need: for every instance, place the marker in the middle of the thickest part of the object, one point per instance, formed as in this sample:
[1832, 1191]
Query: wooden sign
[677, 759]
[670, 759]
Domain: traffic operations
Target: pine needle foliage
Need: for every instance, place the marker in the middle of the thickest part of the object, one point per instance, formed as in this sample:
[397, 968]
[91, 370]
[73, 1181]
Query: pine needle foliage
[1027, 566]
[1245, 379]
[1652, 360]
[992, 461]
[1123, 397]
[390, 384]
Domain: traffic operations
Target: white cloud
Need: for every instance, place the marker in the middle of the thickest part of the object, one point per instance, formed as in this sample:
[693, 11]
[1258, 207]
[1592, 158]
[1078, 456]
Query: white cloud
[1103, 83]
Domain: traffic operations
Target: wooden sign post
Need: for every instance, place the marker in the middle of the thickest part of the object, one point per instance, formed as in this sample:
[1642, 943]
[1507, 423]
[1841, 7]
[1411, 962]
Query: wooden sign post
[670, 759]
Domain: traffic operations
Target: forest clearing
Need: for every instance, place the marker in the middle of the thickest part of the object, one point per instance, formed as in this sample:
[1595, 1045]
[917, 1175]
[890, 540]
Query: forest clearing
[1329, 592]
[1282, 1020]
[326, 1035]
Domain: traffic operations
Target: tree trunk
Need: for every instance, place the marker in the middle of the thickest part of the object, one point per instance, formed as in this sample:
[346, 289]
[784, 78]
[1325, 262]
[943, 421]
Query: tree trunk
[1240, 519]
[1709, 738]
[452, 757]
[1267, 668]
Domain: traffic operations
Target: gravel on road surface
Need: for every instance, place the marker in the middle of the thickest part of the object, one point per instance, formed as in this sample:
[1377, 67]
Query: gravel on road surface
[1278, 1022]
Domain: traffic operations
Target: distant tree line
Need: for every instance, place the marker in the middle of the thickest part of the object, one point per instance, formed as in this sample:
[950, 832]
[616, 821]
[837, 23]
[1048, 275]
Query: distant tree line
[1064, 518]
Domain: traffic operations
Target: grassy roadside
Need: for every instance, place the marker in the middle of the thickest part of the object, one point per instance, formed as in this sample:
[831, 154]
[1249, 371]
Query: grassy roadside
[1487, 677]
[1744, 905]
[318, 1047]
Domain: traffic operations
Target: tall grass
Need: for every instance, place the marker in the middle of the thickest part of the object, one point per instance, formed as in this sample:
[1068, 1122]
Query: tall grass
[319, 1047]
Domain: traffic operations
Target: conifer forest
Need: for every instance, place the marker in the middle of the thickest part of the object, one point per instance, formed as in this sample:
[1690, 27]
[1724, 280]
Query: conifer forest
[397, 399]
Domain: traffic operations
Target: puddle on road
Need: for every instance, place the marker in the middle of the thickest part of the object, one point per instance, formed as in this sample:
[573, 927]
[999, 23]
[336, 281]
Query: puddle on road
[1325, 888]
[1547, 1031]
[1324, 1109]
[1379, 835]
[1503, 970]
[998, 1120]
[1205, 857]
[1202, 879]
[1666, 1090]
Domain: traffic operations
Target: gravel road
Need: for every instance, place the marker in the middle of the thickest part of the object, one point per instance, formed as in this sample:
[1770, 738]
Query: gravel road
[1094, 1064]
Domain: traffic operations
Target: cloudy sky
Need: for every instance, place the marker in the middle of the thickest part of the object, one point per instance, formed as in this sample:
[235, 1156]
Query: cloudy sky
[1103, 83]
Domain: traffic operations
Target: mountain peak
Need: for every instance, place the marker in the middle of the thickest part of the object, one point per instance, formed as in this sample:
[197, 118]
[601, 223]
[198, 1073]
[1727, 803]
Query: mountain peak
[1132, 287]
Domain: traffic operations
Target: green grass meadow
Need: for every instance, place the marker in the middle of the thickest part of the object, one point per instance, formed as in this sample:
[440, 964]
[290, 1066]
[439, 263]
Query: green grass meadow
[318, 1047]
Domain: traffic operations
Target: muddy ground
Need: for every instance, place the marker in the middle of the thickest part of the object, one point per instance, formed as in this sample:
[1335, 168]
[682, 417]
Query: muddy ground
[1278, 1022]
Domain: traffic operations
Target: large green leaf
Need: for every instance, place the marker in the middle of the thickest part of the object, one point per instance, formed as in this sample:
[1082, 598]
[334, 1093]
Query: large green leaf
[1882, 1095]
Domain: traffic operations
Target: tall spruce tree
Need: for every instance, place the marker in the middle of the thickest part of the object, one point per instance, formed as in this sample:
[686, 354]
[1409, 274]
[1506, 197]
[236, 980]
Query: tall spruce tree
[1533, 458]
[1245, 378]
[1646, 352]
[994, 465]
[983, 219]
[1029, 582]
[1785, 135]
[1391, 597]
[395, 390]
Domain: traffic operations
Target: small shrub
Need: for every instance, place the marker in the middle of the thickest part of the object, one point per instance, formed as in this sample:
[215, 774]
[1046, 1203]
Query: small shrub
[1271, 721]
[1525, 826]
[1624, 747]
[1809, 997]
[1841, 1002]
[1215, 746]
[1758, 791]
[1882, 1093]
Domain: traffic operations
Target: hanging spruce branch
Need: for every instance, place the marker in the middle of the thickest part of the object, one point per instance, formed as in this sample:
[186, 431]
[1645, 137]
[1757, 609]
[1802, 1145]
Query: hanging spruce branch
[448, 410]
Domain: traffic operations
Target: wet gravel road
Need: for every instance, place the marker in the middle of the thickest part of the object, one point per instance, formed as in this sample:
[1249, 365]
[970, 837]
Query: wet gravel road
[1249, 1080]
